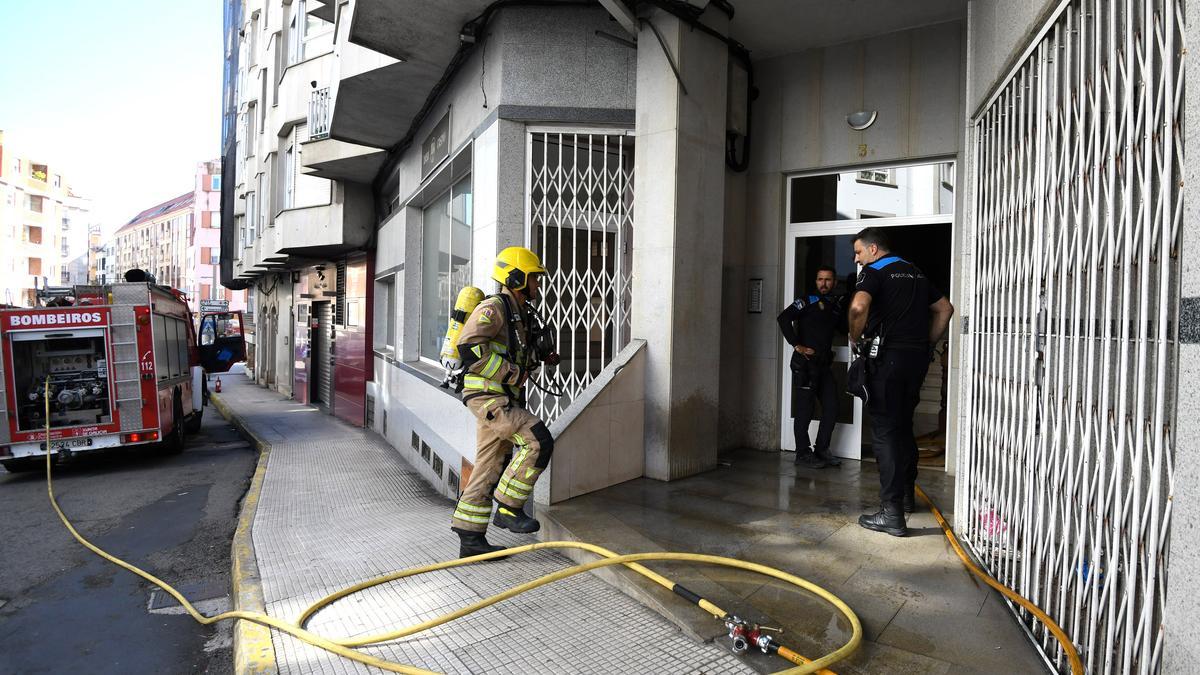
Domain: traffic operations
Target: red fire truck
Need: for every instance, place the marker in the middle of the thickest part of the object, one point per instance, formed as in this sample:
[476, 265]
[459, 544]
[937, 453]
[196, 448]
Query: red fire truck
[123, 365]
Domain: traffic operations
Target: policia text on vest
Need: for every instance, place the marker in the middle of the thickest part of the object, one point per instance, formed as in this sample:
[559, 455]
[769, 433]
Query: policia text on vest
[808, 325]
[496, 357]
[894, 317]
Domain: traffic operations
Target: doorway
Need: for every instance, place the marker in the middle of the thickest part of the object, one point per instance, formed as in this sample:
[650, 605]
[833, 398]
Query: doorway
[825, 211]
[320, 377]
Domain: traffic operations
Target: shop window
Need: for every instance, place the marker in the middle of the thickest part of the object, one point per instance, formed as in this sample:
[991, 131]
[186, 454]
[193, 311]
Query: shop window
[385, 294]
[446, 256]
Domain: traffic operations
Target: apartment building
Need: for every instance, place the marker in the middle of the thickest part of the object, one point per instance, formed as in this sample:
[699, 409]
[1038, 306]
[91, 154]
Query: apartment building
[43, 225]
[296, 232]
[179, 242]
[682, 168]
[155, 240]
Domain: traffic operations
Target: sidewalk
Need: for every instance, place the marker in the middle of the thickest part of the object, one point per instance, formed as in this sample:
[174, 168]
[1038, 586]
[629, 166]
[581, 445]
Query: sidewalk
[339, 506]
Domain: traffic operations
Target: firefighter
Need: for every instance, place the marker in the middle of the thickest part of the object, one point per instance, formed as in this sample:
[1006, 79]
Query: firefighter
[894, 317]
[808, 325]
[497, 360]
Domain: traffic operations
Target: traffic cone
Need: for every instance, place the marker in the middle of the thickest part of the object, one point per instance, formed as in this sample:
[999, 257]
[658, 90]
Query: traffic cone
[218, 387]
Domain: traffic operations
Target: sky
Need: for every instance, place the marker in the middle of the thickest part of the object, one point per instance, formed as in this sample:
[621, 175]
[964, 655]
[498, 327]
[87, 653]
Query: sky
[123, 97]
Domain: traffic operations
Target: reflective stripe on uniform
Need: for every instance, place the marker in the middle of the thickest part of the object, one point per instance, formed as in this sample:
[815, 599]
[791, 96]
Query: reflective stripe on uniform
[519, 484]
[478, 383]
[492, 366]
[486, 509]
[498, 347]
[519, 458]
[470, 518]
[511, 491]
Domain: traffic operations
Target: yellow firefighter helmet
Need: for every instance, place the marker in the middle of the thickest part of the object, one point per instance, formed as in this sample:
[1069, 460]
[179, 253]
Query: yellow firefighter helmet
[514, 265]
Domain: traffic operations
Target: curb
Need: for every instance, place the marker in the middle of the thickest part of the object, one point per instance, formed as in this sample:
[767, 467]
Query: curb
[253, 652]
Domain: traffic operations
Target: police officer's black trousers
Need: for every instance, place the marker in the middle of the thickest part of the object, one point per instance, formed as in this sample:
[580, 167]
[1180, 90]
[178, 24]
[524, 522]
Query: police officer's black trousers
[820, 388]
[894, 388]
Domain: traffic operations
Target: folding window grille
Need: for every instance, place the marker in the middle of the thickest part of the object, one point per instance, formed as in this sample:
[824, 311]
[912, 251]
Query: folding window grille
[1066, 475]
[581, 225]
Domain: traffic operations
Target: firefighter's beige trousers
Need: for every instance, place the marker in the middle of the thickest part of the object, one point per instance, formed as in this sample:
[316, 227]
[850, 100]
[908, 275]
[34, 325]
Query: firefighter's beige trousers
[501, 427]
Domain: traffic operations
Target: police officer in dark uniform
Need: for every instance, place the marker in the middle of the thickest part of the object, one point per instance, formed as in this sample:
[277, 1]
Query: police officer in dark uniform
[808, 325]
[894, 317]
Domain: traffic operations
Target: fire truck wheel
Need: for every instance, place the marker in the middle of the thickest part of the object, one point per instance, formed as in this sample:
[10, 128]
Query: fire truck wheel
[24, 464]
[192, 425]
[173, 443]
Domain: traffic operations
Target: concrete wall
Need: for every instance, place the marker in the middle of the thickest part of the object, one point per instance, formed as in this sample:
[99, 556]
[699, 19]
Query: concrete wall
[553, 57]
[679, 186]
[1000, 31]
[914, 79]
[346, 220]
[533, 61]
[599, 439]
[1181, 618]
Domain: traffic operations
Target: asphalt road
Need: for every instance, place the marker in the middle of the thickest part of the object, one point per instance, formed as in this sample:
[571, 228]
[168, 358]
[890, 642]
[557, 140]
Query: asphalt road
[63, 609]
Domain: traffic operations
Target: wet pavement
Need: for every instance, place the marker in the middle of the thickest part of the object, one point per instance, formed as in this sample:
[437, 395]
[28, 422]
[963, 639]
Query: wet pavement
[921, 611]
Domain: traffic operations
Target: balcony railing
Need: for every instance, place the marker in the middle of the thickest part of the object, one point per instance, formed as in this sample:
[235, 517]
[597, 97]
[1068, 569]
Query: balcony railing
[318, 114]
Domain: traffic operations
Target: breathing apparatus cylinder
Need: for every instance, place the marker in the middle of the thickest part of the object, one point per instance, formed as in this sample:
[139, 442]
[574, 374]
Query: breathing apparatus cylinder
[464, 304]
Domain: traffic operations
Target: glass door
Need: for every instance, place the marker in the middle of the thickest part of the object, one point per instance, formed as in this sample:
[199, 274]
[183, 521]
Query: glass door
[806, 251]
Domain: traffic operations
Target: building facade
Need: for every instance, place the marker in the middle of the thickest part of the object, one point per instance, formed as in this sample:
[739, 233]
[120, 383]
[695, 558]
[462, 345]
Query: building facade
[682, 169]
[45, 226]
[179, 242]
[155, 240]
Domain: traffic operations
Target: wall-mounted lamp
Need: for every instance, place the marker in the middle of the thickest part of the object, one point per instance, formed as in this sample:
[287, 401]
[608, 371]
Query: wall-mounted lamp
[862, 119]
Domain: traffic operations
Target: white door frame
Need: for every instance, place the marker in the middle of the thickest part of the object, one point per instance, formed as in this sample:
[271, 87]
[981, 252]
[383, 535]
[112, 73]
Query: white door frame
[842, 445]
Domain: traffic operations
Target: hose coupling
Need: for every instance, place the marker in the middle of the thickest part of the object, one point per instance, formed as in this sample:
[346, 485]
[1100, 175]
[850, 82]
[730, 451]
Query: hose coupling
[745, 634]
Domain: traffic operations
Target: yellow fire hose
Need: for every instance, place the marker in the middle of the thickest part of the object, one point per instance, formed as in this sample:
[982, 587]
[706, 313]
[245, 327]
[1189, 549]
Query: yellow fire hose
[345, 647]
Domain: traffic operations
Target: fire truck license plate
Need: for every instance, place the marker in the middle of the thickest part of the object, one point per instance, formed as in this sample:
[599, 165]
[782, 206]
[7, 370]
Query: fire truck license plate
[68, 443]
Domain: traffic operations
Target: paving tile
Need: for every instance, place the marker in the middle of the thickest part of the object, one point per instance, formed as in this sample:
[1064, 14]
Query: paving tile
[340, 506]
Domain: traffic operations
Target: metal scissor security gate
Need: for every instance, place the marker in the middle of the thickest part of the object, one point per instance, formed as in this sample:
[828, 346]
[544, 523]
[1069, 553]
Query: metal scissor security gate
[1066, 478]
[581, 225]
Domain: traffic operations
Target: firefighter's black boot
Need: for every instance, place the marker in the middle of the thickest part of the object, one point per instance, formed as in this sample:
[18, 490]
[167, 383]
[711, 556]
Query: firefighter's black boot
[828, 457]
[910, 500]
[810, 459]
[474, 543]
[889, 519]
[515, 520]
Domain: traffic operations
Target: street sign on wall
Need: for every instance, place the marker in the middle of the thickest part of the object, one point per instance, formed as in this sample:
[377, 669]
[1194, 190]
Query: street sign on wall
[214, 306]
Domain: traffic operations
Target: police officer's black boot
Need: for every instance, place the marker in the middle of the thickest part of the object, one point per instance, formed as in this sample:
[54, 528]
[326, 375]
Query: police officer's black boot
[828, 457]
[910, 499]
[889, 519]
[515, 520]
[474, 543]
[810, 459]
